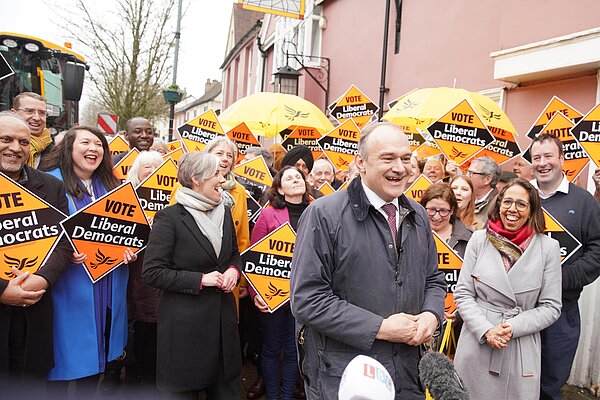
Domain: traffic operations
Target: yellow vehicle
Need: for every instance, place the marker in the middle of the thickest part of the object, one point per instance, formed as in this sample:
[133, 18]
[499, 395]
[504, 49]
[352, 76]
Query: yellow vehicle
[39, 66]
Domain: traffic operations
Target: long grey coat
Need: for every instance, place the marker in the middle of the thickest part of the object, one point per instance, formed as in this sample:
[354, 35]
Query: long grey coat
[528, 297]
[347, 276]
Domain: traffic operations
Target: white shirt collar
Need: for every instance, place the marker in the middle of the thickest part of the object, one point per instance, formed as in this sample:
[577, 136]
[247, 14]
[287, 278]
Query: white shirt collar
[563, 187]
[484, 197]
[375, 200]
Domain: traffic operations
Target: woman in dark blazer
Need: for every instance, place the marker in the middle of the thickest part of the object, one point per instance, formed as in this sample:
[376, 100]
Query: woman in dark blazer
[288, 198]
[192, 256]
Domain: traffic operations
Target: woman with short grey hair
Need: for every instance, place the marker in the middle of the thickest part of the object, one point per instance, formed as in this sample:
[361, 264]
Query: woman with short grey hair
[192, 255]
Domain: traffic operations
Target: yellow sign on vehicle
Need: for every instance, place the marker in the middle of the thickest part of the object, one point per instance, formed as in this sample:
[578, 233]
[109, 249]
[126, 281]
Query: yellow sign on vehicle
[341, 144]
[567, 242]
[29, 229]
[554, 105]
[460, 133]
[355, 105]
[575, 156]
[198, 132]
[418, 187]
[243, 137]
[155, 191]
[306, 136]
[587, 134]
[267, 266]
[118, 145]
[105, 228]
[450, 263]
[121, 169]
[256, 172]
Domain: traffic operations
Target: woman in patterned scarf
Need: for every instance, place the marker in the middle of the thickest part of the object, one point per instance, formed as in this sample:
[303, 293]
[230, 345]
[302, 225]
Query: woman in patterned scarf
[509, 289]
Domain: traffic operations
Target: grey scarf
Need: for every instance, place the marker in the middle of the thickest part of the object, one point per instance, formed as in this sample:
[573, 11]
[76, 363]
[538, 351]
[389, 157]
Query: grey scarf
[207, 214]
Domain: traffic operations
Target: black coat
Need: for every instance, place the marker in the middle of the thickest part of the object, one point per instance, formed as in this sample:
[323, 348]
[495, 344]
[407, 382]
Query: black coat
[39, 349]
[195, 327]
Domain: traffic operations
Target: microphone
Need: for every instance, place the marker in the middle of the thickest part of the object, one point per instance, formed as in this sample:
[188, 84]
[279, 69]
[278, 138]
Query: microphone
[437, 374]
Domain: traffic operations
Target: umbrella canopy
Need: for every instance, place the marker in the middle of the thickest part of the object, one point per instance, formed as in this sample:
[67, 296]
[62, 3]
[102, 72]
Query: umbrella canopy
[267, 113]
[420, 108]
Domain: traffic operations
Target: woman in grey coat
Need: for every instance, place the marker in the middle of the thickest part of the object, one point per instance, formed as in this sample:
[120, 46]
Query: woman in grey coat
[509, 290]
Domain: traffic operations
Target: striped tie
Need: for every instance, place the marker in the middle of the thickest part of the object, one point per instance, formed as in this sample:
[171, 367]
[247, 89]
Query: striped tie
[390, 210]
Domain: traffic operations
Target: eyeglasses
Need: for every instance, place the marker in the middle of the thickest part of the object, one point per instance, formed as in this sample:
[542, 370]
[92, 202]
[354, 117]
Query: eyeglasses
[30, 111]
[471, 173]
[520, 205]
[444, 212]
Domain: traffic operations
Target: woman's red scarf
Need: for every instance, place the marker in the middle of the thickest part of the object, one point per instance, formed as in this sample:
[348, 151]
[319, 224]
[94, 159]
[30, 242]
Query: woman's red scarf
[510, 244]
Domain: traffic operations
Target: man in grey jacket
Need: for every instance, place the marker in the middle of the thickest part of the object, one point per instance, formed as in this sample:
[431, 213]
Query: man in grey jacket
[364, 273]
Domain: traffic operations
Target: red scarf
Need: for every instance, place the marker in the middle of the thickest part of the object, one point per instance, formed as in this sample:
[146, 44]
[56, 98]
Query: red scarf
[517, 237]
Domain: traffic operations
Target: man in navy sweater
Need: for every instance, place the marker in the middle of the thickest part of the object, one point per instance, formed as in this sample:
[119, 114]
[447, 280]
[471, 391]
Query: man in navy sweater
[579, 213]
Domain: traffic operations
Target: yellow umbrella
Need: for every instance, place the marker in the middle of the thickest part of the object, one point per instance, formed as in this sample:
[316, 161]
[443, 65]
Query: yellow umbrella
[267, 113]
[420, 108]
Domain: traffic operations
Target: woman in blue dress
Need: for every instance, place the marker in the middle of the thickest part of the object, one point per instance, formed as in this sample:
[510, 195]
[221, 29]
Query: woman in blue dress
[90, 319]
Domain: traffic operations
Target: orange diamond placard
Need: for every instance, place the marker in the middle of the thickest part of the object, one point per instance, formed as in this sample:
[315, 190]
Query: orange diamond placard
[460, 133]
[267, 266]
[575, 156]
[326, 189]
[256, 172]
[503, 148]
[306, 136]
[118, 145]
[418, 187]
[354, 105]
[29, 229]
[121, 169]
[105, 228]
[197, 133]
[554, 105]
[243, 137]
[587, 134]
[450, 263]
[341, 144]
[155, 191]
[174, 155]
[567, 242]
[174, 145]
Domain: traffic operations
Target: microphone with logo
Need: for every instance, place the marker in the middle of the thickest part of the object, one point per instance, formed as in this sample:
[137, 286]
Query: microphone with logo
[437, 374]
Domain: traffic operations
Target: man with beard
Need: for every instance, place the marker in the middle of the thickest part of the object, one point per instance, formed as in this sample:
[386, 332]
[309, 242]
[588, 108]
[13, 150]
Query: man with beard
[26, 313]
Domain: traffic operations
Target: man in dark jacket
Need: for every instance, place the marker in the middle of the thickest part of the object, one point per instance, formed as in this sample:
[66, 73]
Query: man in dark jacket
[579, 213]
[364, 276]
[26, 344]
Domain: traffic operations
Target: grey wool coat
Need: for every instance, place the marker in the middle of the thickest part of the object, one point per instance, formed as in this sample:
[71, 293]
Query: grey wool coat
[528, 297]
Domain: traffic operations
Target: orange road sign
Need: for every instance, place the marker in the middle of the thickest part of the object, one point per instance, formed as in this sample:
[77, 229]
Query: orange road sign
[243, 138]
[256, 172]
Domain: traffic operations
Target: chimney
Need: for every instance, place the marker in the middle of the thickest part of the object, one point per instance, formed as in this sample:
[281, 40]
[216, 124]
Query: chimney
[208, 85]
